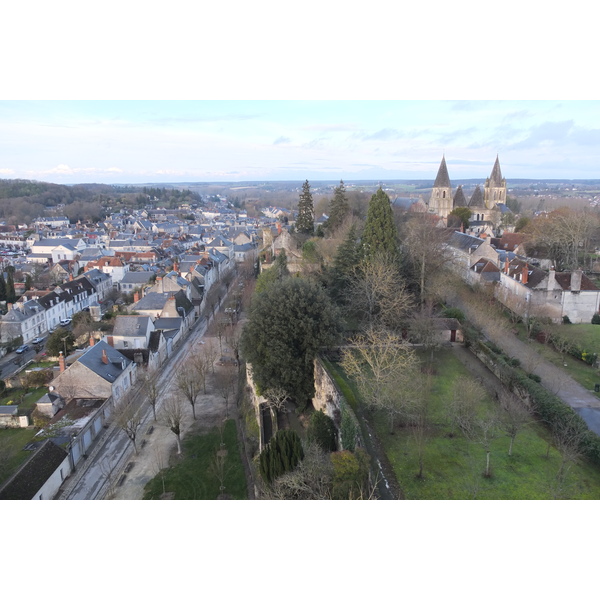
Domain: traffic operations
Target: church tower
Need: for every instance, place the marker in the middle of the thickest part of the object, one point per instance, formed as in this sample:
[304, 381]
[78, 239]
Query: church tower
[495, 187]
[441, 199]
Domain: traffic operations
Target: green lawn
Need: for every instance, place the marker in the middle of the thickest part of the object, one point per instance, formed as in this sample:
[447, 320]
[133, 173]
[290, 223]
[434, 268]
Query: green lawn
[12, 455]
[454, 466]
[194, 477]
[25, 399]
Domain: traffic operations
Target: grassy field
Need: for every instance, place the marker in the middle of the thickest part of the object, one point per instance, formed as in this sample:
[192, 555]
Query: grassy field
[195, 478]
[454, 466]
[12, 455]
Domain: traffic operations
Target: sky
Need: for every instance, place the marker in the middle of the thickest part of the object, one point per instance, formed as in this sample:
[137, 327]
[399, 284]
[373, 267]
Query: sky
[134, 141]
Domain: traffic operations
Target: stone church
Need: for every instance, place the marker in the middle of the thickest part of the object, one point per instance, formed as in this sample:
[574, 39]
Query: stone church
[487, 206]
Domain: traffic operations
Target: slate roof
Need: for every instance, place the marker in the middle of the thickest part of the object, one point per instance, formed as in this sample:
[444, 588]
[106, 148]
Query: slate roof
[476, 197]
[166, 324]
[34, 473]
[152, 301]
[137, 277]
[92, 359]
[535, 275]
[459, 197]
[131, 325]
[486, 269]
[496, 176]
[154, 341]
[464, 242]
[442, 179]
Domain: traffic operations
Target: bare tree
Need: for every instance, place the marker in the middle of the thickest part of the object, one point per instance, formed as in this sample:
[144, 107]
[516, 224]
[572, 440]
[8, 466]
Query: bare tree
[311, 480]
[568, 436]
[467, 396]
[515, 416]
[420, 423]
[128, 417]
[484, 431]
[276, 398]
[150, 386]
[173, 417]
[424, 247]
[189, 382]
[378, 292]
[423, 330]
[386, 370]
[210, 353]
[226, 381]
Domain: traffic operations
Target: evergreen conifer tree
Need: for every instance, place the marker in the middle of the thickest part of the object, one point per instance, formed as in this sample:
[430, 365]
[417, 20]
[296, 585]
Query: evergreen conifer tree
[2, 288]
[305, 223]
[338, 208]
[344, 261]
[11, 295]
[380, 235]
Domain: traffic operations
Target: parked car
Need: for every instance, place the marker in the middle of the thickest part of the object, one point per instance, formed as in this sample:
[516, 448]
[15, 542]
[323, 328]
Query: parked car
[22, 349]
[37, 340]
[65, 321]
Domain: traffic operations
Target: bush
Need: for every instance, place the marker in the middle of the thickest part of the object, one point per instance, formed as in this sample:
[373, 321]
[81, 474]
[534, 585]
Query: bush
[321, 430]
[596, 319]
[534, 377]
[567, 321]
[350, 474]
[454, 313]
[282, 454]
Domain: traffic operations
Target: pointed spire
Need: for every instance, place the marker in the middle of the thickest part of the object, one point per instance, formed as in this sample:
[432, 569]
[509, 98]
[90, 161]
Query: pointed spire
[476, 198]
[442, 179]
[496, 176]
[459, 197]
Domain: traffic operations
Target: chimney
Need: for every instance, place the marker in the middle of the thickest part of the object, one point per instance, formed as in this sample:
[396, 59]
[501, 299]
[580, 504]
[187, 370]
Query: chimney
[551, 279]
[576, 280]
[92, 340]
[109, 340]
[9, 306]
[71, 277]
[278, 227]
[61, 362]
[136, 296]
[104, 357]
[506, 265]
[525, 275]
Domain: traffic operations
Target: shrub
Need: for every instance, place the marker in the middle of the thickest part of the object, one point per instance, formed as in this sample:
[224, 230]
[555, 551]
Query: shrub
[282, 454]
[567, 321]
[322, 431]
[350, 474]
[535, 377]
[596, 319]
[454, 313]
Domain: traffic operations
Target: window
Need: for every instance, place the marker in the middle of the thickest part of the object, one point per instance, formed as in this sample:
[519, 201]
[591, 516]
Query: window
[125, 344]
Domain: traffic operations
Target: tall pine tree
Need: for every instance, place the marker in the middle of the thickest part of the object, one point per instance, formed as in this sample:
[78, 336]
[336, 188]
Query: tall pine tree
[2, 288]
[305, 223]
[380, 235]
[344, 261]
[11, 295]
[338, 208]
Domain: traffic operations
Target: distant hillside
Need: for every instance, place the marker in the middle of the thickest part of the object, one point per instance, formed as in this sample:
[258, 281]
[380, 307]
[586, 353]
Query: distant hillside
[22, 200]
